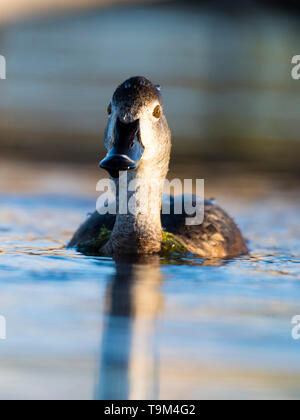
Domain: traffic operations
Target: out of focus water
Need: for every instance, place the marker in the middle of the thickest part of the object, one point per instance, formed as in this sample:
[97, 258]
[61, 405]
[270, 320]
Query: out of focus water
[86, 327]
[226, 80]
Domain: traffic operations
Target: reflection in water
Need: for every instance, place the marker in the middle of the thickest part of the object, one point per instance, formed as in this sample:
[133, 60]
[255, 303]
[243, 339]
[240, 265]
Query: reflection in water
[223, 331]
[129, 366]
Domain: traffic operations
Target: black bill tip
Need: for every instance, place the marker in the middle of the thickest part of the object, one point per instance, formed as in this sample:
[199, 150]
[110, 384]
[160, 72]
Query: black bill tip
[126, 150]
[113, 164]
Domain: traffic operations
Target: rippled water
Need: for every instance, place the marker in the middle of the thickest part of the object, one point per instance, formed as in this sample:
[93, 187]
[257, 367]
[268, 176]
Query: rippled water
[86, 327]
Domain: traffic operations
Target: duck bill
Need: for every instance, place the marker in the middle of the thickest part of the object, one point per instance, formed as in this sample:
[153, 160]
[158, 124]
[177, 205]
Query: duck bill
[126, 150]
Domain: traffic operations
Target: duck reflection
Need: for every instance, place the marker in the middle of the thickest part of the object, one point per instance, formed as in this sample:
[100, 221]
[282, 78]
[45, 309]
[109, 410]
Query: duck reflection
[129, 363]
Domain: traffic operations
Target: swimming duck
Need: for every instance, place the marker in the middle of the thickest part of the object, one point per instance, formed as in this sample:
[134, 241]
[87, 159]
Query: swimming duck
[138, 141]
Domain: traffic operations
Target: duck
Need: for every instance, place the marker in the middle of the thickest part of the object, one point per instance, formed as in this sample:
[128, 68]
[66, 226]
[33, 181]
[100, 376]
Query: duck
[137, 140]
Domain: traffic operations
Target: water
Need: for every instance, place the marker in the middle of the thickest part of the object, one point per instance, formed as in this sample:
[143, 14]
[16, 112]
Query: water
[226, 80]
[87, 327]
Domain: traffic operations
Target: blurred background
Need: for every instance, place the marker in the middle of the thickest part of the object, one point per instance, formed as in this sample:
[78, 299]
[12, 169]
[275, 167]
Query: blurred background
[224, 67]
[85, 327]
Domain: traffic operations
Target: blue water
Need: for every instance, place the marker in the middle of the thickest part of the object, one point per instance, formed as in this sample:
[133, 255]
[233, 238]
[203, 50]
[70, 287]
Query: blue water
[87, 327]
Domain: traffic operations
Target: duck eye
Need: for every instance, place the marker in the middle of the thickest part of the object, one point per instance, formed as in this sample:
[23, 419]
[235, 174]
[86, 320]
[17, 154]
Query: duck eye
[109, 109]
[156, 111]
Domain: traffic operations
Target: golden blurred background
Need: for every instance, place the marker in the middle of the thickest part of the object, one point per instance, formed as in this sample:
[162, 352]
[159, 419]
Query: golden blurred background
[224, 67]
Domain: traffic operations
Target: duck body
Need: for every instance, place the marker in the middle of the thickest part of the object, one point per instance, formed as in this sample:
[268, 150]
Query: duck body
[216, 237]
[138, 143]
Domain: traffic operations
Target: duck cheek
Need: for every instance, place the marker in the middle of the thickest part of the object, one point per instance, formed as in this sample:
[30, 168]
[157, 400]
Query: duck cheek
[148, 140]
[150, 152]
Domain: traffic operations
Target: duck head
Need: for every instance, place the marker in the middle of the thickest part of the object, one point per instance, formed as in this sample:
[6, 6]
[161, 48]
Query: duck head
[137, 135]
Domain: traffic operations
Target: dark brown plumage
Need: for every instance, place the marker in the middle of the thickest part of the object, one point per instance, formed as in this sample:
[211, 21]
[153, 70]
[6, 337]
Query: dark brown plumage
[217, 237]
[134, 105]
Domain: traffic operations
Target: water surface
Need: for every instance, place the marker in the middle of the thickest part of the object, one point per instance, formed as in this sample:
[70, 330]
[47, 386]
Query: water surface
[87, 327]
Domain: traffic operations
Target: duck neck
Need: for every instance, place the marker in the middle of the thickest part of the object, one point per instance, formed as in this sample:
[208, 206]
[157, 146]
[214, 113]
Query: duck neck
[137, 228]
